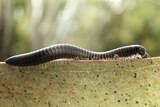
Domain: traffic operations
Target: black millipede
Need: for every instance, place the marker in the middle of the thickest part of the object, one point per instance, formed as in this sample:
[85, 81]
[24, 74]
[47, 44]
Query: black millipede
[70, 51]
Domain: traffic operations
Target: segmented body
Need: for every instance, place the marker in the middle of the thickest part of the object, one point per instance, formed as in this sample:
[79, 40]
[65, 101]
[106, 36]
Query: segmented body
[70, 51]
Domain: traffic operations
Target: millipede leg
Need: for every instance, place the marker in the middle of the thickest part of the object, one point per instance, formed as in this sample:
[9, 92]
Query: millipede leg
[116, 56]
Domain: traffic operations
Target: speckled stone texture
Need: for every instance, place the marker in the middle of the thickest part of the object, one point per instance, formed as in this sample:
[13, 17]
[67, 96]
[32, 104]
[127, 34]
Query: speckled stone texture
[86, 83]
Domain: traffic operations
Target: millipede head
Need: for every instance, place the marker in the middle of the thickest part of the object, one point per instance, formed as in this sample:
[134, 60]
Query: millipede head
[141, 50]
[146, 55]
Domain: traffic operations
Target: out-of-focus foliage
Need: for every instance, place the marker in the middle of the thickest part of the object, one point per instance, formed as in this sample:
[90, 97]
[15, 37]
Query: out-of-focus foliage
[98, 25]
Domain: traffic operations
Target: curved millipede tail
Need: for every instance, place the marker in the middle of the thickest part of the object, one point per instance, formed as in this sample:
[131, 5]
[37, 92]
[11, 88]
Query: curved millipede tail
[70, 51]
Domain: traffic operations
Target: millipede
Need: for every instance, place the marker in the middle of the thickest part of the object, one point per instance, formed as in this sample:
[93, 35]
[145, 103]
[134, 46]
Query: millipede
[68, 51]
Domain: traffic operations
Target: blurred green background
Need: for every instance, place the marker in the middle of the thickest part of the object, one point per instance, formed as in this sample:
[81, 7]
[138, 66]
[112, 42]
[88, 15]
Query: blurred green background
[99, 25]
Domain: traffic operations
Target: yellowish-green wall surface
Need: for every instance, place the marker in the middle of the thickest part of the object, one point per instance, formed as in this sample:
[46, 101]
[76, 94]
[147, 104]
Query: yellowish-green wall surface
[74, 83]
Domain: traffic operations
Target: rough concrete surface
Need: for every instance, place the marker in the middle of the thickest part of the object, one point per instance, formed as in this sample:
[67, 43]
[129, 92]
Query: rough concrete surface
[73, 83]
